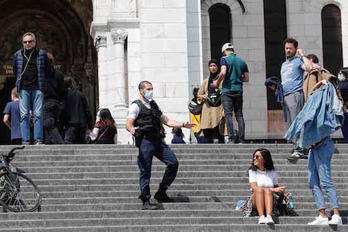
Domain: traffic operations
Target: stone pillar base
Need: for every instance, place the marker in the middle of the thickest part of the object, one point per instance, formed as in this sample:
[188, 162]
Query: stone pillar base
[120, 116]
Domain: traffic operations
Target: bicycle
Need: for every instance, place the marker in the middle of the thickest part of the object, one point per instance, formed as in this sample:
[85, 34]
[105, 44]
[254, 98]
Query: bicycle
[18, 193]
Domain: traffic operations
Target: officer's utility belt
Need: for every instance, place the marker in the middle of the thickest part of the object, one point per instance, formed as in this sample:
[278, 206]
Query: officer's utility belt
[149, 136]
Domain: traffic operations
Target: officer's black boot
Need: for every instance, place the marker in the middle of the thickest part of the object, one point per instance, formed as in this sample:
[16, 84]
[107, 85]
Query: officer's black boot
[161, 195]
[147, 205]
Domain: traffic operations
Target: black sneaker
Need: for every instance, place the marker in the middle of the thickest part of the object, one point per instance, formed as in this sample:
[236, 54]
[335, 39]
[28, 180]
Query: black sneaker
[163, 197]
[148, 206]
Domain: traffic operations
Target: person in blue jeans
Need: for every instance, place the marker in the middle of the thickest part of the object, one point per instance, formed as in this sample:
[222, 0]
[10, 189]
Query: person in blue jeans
[12, 118]
[31, 66]
[320, 117]
[234, 71]
[319, 175]
[144, 122]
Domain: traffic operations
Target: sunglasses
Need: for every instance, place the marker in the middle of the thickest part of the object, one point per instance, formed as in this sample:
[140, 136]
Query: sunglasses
[28, 42]
[257, 156]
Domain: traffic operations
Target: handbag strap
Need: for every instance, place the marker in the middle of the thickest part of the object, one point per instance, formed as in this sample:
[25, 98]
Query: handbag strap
[101, 134]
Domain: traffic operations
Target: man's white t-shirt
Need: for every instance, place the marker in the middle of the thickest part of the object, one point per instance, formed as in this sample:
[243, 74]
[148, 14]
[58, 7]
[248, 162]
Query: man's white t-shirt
[133, 111]
[264, 179]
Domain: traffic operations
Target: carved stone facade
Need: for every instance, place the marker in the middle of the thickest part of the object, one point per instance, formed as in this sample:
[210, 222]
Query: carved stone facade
[61, 27]
[109, 46]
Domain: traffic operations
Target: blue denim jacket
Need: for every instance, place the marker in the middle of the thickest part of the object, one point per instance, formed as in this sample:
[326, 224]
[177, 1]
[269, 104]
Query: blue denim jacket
[321, 116]
[273, 80]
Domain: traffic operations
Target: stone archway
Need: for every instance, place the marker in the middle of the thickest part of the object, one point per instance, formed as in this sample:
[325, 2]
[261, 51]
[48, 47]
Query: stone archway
[61, 27]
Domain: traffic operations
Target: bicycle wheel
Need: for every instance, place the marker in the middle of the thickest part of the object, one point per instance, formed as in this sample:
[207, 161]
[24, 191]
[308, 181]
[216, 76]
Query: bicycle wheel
[18, 193]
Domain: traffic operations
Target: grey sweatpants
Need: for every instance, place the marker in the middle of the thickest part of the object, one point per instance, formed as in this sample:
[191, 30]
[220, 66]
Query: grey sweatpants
[293, 104]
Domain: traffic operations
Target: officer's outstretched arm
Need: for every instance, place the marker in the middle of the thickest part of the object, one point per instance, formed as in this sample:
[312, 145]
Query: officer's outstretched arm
[172, 123]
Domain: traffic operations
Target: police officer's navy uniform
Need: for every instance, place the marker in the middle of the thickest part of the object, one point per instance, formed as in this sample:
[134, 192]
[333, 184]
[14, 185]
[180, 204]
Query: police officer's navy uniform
[150, 143]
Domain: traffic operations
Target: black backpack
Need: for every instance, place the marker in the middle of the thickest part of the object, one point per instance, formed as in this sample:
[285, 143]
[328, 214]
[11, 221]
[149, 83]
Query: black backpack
[194, 107]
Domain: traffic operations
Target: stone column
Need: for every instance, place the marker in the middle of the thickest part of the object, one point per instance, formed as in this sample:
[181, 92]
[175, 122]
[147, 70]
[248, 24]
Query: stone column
[101, 45]
[119, 86]
[118, 74]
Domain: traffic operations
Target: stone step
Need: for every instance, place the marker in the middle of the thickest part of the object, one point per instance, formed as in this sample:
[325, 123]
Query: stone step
[181, 228]
[131, 158]
[244, 181]
[192, 199]
[133, 214]
[96, 188]
[157, 174]
[250, 146]
[168, 206]
[61, 193]
[148, 221]
[279, 163]
[160, 167]
[176, 187]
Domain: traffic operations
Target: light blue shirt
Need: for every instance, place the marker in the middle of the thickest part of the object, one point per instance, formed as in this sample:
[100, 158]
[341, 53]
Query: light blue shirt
[292, 75]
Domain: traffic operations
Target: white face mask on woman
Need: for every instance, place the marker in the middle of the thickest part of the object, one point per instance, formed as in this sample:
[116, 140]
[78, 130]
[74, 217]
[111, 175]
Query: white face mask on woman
[341, 77]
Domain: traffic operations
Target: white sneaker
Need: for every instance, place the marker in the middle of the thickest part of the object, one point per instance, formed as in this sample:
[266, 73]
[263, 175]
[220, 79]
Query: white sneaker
[269, 220]
[336, 220]
[262, 220]
[319, 221]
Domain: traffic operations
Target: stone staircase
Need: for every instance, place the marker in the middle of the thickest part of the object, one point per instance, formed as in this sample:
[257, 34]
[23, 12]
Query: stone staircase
[94, 188]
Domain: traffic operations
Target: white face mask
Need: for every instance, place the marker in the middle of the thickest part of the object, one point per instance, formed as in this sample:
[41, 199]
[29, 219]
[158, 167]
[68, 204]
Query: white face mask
[340, 77]
[148, 95]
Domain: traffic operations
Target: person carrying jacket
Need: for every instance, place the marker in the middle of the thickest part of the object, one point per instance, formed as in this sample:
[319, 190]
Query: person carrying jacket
[144, 121]
[321, 116]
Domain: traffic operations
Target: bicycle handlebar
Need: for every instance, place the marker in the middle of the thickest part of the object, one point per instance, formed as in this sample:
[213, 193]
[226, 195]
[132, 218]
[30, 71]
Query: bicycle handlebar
[12, 153]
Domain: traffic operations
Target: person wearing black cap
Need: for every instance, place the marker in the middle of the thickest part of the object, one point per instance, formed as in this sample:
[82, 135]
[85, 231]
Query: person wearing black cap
[211, 115]
[234, 71]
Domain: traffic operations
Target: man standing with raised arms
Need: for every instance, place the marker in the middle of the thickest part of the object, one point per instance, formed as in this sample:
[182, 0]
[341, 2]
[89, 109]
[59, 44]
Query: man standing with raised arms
[291, 72]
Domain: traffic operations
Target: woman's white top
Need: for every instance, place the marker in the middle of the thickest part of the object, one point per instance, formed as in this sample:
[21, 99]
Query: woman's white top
[265, 179]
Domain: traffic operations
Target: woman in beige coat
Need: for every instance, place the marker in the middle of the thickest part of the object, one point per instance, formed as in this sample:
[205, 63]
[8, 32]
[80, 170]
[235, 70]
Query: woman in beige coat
[211, 115]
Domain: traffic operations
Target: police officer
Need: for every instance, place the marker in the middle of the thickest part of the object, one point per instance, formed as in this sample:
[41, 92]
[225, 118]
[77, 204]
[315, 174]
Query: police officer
[144, 121]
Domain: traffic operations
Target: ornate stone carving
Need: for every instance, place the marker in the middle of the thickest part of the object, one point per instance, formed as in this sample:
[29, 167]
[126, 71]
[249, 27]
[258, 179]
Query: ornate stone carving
[119, 36]
[100, 41]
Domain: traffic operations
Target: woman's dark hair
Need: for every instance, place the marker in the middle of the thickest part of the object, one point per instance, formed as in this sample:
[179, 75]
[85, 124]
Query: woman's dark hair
[178, 132]
[106, 116]
[267, 160]
[313, 57]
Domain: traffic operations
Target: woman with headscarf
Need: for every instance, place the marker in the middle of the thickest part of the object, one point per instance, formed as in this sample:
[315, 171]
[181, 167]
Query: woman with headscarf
[211, 115]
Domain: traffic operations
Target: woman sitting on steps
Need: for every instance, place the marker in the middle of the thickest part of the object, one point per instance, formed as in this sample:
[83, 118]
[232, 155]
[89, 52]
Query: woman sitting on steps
[263, 181]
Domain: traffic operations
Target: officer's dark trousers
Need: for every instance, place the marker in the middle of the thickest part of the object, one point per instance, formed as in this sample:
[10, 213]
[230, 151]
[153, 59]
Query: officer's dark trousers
[147, 150]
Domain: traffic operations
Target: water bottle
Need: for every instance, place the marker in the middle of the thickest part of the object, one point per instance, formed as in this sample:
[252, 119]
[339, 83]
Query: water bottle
[291, 202]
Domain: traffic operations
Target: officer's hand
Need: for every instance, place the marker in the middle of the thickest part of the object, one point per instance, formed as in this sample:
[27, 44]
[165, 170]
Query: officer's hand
[189, 125]
[133, 130]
